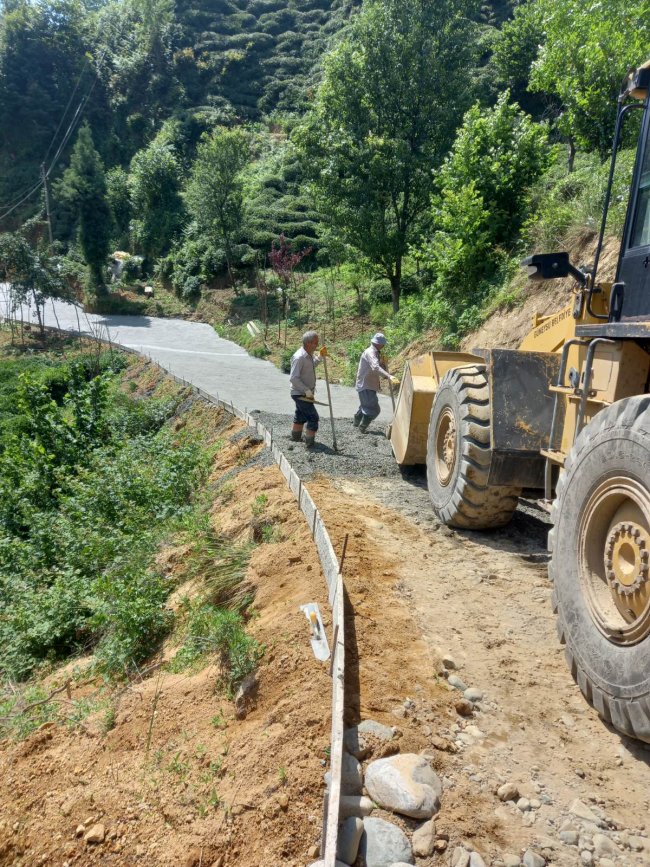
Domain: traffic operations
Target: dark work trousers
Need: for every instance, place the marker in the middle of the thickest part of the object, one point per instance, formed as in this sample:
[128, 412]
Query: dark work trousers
[305, 413]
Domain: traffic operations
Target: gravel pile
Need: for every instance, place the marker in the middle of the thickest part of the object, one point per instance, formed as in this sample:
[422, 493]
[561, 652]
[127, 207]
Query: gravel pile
[360, 455]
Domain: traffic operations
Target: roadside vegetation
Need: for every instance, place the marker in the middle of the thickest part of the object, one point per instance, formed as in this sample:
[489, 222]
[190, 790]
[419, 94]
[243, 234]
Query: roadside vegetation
[95, 478]
[325, 162]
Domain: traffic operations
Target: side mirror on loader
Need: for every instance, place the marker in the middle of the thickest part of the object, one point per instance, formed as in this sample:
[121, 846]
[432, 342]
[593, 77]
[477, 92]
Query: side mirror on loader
[548, 266]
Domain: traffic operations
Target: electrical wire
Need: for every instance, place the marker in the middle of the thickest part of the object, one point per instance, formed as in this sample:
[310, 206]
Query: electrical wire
[74, 90]
[71, 127]
[24, 199]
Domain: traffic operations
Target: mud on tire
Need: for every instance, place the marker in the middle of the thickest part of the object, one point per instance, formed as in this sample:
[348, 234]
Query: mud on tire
[603, 606]
[459, 454]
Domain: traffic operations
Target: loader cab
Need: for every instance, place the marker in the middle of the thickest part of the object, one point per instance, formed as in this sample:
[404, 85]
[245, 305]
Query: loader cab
[634, 263]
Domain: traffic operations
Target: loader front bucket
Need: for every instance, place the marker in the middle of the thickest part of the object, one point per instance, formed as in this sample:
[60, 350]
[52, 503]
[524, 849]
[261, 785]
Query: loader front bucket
[409, 430]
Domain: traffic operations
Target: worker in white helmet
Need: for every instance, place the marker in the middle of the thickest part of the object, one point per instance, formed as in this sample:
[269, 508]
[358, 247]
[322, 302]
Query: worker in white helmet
[369, 374]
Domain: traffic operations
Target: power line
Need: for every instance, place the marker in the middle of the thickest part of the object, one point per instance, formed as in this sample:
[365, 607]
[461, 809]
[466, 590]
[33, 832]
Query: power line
[71, 126]
[24, 199]
[29, 190]
[74, 90]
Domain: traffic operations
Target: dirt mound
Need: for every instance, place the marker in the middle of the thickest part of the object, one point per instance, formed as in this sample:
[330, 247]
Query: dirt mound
[507, 328]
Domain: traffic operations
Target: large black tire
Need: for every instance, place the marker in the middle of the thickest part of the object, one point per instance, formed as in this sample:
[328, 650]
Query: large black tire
[459, 454]
[599, 546]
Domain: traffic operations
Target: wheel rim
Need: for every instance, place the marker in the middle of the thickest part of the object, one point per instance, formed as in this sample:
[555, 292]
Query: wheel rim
[614, 555]
[445, 446]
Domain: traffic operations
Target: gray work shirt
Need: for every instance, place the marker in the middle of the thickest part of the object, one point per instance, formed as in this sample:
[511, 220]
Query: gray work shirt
[370, 370]
[303, 372]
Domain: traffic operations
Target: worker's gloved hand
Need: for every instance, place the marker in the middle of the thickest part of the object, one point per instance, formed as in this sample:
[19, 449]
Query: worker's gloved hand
[394, 381]
[323, 351]
[309, 394]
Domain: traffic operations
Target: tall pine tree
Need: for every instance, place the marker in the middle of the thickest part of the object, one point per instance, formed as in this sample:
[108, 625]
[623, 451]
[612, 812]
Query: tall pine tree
[83, 186]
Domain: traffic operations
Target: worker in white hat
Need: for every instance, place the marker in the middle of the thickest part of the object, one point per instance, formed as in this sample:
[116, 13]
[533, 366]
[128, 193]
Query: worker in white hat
[369, 374]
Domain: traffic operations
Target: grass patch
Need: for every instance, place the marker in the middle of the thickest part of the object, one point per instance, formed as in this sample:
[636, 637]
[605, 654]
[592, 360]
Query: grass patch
[210, 630]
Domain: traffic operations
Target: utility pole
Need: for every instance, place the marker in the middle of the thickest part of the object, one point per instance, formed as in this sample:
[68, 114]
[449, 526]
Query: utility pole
[47, 203]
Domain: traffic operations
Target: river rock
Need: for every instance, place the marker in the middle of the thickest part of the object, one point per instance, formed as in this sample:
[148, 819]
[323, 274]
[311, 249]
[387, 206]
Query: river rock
[579, 809]
[604, 847]
[472, 694]
[508, 792]
[358, 739]
[404, 784]
[96, 834]
[637, 844]
[350, 834]
[460, 857]
[383, 844]
[569, 834]
[424, 839]
[351, 776]
[456, 682]
[533, 859]
[476, 860]
[355, 805]
[511, 860]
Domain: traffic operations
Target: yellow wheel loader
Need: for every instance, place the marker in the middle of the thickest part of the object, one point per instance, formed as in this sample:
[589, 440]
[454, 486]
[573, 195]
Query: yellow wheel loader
[567, 414]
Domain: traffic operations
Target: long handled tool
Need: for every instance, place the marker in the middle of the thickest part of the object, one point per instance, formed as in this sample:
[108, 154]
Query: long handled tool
[392, 396]
[313, 400]
[329, 398]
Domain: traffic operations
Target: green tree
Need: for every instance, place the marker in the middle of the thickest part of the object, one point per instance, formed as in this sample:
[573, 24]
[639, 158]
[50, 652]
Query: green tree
[155, 183]
[83, 185]
[214, 194]
[30, 273]
[516, 47]
[383, 118]
[585, 51]
[479, 208]
[119, 200]
[136, 41]
[46, 48]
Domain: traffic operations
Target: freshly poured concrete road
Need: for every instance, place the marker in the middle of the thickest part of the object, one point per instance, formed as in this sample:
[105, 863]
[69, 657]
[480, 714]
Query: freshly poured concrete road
[194, 352]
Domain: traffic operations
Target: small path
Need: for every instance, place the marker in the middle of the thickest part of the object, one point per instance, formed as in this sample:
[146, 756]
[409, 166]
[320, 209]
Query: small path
[195, 352]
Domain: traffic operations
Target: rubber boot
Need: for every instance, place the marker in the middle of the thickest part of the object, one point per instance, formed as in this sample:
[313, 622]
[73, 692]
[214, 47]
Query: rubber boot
[310, 439]
[296, 433]
[364, 424]
[356, 421]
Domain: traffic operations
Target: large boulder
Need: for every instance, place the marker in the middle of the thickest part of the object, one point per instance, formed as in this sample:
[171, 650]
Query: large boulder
[405, 784]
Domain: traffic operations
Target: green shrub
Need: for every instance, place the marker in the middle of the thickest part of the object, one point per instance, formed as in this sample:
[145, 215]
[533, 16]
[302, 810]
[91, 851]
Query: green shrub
[566, 203]
[212, 630]
[88, 487]
[285, 360]
[478, 214]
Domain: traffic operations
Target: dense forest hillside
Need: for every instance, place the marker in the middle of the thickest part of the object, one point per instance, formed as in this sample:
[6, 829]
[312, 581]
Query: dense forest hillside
[404, 154]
